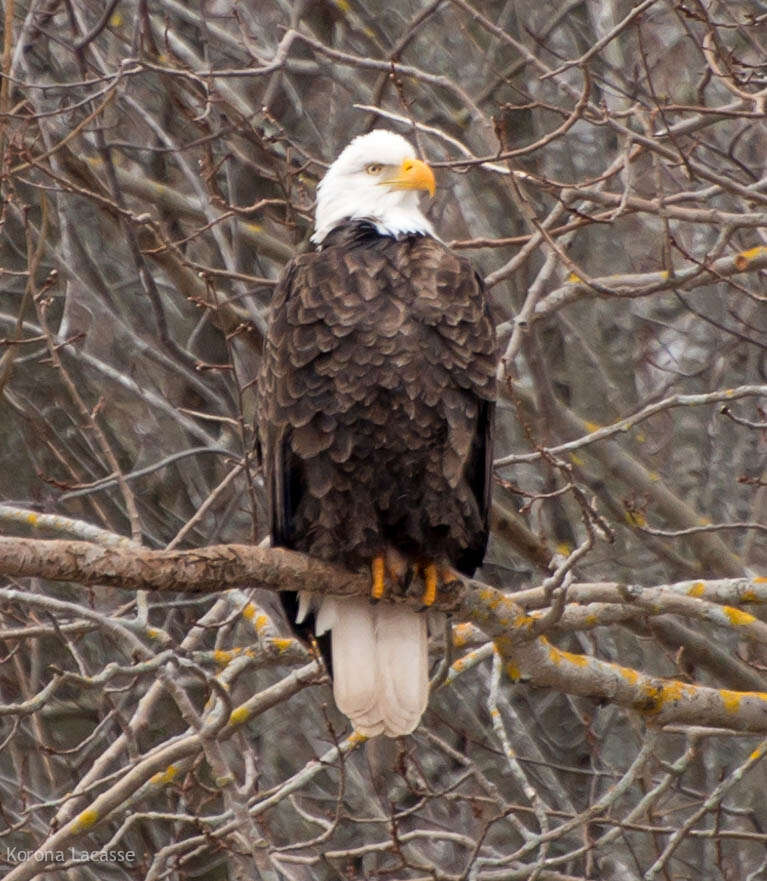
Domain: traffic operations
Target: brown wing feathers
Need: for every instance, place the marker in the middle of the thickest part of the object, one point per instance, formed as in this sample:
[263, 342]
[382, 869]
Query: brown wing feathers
[378, 348]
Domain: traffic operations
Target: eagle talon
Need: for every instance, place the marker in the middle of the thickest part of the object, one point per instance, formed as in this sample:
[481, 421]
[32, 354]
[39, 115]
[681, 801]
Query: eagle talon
[378, 577]
[430, 581]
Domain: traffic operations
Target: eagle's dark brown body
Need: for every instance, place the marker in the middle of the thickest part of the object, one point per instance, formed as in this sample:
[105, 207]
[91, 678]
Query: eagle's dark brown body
[376, 402]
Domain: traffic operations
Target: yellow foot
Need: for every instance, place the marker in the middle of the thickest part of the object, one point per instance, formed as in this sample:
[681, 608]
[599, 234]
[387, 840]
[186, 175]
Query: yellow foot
[434, 577]
[397, 571]
[378, 576]
[430, 579]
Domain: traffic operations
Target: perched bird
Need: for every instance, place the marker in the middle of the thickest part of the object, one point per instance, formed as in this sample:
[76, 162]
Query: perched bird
[375, 417]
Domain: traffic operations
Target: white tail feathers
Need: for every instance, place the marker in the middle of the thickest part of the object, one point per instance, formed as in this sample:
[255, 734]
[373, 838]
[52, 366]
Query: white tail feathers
[380, 663]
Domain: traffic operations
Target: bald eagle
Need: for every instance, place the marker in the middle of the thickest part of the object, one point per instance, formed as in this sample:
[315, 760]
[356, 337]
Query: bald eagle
[375, 416]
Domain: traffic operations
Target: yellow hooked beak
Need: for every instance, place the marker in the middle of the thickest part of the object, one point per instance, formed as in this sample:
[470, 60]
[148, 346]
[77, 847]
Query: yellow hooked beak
[413, 174]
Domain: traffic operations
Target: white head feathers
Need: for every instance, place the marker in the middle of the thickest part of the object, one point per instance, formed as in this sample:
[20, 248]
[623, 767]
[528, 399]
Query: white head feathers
[377, 178]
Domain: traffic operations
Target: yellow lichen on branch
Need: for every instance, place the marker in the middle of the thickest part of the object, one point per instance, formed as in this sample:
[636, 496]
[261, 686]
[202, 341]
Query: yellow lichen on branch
[745, 257]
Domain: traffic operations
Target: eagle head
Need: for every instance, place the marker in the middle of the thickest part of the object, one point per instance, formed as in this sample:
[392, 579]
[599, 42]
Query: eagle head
[376, 177]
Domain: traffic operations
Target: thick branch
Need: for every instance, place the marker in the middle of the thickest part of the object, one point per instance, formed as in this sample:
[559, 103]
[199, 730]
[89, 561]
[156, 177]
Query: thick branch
[526, 655]
[202, 570]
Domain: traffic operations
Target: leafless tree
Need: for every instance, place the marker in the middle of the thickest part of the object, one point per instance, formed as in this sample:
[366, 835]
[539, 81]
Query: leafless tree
[599, 703]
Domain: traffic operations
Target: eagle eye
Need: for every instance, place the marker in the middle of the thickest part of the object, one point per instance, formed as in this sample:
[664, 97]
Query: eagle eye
[373, 168]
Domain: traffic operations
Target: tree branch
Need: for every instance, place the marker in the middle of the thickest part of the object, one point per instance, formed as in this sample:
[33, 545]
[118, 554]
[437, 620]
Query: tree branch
[526, 656]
